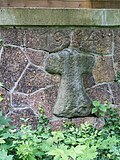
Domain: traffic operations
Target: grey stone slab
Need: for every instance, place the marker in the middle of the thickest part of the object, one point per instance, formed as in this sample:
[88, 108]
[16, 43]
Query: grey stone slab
[37, 16]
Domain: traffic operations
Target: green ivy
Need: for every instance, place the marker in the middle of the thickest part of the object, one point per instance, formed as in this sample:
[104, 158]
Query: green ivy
[100, 109]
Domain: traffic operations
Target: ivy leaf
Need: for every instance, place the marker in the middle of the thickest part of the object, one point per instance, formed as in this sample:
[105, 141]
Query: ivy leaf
[64, 156]
[102, 114]
[2, 141]
[94, 110]
[55, 152]
[118, 81]
[96, 103]
[89, 154]
[59, 135]
[45, 135]
[67, 141]
[4, 121]
[7, 135]
[79, 149]
[71, 153]
[45, 147]
[102, 108]
[1, 84]
[57, 157]
[115, 150]
[1, 40]
[4, 156]
[108, 143]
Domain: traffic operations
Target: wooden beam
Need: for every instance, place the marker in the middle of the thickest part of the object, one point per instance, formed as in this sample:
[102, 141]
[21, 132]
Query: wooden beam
[46, 3]
[61, 3]
[113, 4]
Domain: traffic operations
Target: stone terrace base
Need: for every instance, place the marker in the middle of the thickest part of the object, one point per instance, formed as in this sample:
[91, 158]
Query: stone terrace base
[28, 86]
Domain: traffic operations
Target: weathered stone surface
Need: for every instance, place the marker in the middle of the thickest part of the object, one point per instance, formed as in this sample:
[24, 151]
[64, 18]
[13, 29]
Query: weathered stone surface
[117, 49]
[59, 123]
[59, 17]
[12, 64]
[12, 36]
[116, 92]
[99, 123]
[34, 78]
[100, 93]
[72, 100]
[112, 17]
[47, 39]
[56, 125]
[103, 70]
[37, 57]
[20, 100]
[93, 40]
[1, 44]
[17, 114]
[45, 98]
[88, 80]
[5, 103]
[79, 121]
[53, 17]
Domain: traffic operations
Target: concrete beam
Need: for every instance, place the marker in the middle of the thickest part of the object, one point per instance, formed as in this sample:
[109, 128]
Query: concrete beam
[59, 17]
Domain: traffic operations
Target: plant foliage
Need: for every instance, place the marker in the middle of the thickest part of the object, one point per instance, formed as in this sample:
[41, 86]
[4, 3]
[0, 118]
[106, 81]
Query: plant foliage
[71, 143]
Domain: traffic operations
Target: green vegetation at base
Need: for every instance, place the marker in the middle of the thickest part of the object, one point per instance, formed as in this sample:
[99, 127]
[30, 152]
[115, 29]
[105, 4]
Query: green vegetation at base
[71, 143]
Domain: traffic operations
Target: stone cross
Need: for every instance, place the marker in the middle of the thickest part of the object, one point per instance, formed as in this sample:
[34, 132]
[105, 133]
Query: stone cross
[72, 100]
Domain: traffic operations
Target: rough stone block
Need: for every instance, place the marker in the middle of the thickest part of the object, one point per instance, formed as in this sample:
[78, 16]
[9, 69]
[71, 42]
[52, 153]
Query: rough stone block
[47, 39]
[35, 78]
[5, 103]
[103, 70]
[45, 98]
[12, 36]
[20, 100]
[93, 40]
[100, 93]
[115, 92]
[12, 63]
[117, 49]
[56, 125]
[99, 123]
[79, 121]
[37, 57]
[17, 114]
[88, 80]
[59, 123]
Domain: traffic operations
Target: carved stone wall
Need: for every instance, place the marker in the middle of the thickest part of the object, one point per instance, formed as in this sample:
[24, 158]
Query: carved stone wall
[27, 84]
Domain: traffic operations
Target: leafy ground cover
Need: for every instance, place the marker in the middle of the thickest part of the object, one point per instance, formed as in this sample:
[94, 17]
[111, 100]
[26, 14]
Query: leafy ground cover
[71, 143]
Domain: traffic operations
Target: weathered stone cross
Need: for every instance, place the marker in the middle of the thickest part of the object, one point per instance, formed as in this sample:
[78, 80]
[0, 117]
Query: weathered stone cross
[72, 101]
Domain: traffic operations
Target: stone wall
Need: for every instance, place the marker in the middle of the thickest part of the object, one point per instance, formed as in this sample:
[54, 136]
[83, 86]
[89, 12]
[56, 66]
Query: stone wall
[27, 86]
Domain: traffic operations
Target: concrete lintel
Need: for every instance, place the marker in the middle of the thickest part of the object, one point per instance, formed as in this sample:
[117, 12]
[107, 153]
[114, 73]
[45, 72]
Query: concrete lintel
[59, 17]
